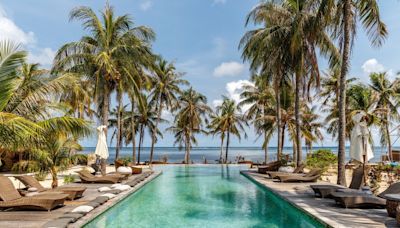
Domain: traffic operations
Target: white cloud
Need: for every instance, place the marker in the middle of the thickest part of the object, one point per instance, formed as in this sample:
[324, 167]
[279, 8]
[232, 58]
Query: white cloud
[371, 66]
[146, 5]
[10, 31]
[45, 56]
[234, 89]
[229, 69]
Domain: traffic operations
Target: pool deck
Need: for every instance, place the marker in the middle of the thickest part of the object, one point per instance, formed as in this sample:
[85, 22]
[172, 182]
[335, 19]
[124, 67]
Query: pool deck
[31, 219]
[301, 196]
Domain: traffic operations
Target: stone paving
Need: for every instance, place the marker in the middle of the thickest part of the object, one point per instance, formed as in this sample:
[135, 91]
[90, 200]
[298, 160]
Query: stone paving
[301, 196]
[31, 219]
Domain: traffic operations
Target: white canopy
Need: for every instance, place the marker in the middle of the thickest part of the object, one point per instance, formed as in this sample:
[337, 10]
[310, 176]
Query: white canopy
[359, 136]
[101, 147]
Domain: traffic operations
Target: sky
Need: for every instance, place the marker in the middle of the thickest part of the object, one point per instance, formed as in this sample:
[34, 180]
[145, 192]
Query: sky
[200, 36]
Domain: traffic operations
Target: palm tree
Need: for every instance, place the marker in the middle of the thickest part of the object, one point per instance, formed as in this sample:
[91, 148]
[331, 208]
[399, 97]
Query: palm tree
[343, 16]
[232, 120]
[102, 55]
[216, 127]
[165, 89]
[261, 98]
[192, 114]
[387, 95]
[311, 128]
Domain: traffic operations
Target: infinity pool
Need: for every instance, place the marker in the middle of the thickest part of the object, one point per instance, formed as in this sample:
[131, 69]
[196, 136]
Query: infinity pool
[203, 196]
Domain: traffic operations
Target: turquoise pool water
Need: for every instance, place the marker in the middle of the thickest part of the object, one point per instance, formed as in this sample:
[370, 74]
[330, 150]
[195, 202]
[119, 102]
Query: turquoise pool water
[203, 196]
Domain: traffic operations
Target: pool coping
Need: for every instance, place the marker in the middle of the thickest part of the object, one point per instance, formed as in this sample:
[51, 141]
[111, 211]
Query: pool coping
[112, 202]
[276, 193]
[326, 212]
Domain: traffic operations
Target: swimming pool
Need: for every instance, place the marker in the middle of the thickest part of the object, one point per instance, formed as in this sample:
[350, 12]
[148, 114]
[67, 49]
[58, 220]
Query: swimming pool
[203, 196]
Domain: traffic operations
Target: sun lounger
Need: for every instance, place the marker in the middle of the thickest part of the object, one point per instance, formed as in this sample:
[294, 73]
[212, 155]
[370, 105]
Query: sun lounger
[30, 181]
[12, 199]
[272, 166]
[326, 190]
[297, 170]
[312, 176]
[87, 177]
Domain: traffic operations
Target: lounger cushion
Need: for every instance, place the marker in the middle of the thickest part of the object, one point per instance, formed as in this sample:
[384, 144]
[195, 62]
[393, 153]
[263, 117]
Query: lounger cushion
[74, 216]
[109, 195]
[83, 209]
[115, 185]
[124, 169]
[104, 189]
[123, 187]
[113, 191]
[101, 199]
[58, 223]
[132, 183]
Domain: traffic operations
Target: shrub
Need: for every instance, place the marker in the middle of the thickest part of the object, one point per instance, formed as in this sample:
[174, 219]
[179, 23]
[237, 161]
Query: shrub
[322, 159]
[79, 159]
[125, 160]
[41, 176]
[69, 179]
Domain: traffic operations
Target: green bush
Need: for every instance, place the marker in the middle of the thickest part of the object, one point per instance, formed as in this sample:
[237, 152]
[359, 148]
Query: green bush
[126, 160]
[69, 179]
[322, 159]
[79, 159]
[41, 176]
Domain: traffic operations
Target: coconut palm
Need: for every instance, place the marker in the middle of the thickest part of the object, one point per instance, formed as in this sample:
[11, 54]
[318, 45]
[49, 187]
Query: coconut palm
[103, 54]
[387, 95]
[260, 97]
[311, 128]
[344, 16]
[216, 127]
[165, 85]
[189, 120]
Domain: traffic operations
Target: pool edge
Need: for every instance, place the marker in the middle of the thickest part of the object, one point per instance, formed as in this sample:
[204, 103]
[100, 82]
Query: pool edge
[252, 179]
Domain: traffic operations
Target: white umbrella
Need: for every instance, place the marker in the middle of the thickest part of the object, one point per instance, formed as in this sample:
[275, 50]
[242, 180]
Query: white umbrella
[360, 148]
[101, 147]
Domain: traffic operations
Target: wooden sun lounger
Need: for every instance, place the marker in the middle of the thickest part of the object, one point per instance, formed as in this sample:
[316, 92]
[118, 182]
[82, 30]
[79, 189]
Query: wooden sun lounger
[272, 166]
[312, 176]
[87, 177]
[298, 170]
[30, 181]
[326, 190]
[12, 199]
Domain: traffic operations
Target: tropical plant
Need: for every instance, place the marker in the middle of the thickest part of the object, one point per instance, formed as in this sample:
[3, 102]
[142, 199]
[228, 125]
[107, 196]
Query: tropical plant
[189, 120]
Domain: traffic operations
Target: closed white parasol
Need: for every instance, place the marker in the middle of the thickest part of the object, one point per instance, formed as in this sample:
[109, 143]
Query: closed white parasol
[359, 140]
[101, 147]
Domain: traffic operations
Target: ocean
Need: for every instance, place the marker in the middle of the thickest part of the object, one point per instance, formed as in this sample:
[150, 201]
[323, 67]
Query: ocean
[211, 154]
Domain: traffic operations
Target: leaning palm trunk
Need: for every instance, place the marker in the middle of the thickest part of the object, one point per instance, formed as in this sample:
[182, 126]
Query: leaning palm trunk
[347, 19]
[265, 147]
[119, 125]
[278, 119]
[222, 148]
[105, 113]
[133, 132]
[140, 141]
[297, 160]
[227, 147]
[187, 149]
[389, 141]
[153, 140]
[54, 178]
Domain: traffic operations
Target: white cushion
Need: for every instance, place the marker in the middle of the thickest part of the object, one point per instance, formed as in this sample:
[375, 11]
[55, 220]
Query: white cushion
[286, 169]
[104, 189]
[124, 169]
[31, 193]
[32, 189]
[115, 185]
[89, 169]
[83, 209]
[109, 195]
[123, 187]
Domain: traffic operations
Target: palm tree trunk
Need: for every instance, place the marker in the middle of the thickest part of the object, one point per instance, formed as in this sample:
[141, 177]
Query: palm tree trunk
[105, 114]
[54, 178]
[297, 117]
[389, 140]
[187, 147]
[278, 118]
[119, 125]
[153, 140]
[133, 132]
[265, 147]
[347, 17]
[222, 148]
[140, 142]
[227, 147]
[282, 139]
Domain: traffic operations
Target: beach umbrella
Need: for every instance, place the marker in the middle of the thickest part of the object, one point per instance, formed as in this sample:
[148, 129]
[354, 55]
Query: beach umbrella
[101, 147]
[360, 148]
